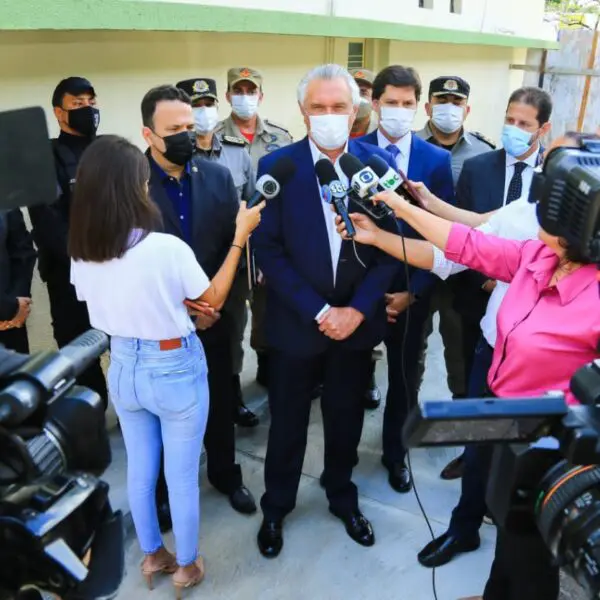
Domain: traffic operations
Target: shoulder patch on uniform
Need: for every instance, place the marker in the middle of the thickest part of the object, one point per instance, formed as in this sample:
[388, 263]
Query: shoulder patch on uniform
[484, 139]
[231, 139]
[277, 126]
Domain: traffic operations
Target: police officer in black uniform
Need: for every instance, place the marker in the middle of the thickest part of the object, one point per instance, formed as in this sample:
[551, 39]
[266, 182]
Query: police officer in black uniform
[74, 102]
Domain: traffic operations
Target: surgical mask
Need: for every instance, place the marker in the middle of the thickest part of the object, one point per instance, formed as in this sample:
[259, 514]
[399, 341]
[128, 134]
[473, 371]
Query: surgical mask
[84, 120]
[245, 105]
[397, 121]
[179, 148]
[364, 109]
[516, 141]
[330, 131]
[448, 118]
[206, 118]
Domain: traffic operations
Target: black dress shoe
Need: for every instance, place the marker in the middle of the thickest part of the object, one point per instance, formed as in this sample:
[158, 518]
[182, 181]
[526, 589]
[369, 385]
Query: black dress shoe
[316, 392]
[444, 548]
[262, 371]
[372, 398]
[242, 415]
[454, 469]
[164, 517]
[242, 500]
[270, 538]
[357, 526]
[399, 477]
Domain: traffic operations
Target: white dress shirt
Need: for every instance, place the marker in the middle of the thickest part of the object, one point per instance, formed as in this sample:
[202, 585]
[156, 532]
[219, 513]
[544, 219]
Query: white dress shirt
[516, 221]
[526, 176]
[335, 239]
[403, 144]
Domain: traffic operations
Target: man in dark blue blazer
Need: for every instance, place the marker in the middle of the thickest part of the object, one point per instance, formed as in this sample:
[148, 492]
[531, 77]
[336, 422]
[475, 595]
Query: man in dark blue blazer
[198, 202]
[325, 312]
[396, 93]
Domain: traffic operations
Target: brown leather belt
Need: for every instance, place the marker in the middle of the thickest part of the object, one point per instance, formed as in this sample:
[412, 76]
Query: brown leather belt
[173, 344]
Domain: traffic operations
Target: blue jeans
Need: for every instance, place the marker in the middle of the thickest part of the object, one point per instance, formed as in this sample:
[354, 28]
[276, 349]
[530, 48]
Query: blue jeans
[161, 399]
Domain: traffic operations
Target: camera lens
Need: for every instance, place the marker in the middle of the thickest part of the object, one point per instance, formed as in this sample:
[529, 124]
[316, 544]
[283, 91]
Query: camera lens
[567, 513]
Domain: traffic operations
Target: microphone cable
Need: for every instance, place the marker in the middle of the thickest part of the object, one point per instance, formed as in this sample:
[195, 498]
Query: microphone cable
[408, 403]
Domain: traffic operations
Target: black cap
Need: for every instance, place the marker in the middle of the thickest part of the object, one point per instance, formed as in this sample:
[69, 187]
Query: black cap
[444, 86]
[71, 85]
[199, 88]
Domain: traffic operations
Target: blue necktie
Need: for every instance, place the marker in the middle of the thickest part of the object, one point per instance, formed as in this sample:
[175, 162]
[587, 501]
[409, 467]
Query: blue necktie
[515, 187]
[394, 151]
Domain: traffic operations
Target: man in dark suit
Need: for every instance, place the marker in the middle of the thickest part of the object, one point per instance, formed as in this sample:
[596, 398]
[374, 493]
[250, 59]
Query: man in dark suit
[325, 312]
[199, 203]
[17, 261]
[396, 93]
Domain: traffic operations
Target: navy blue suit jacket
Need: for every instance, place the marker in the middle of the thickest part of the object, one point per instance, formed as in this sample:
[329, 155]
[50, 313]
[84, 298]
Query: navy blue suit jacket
[480, 187]
[292, 250]
[431, 165]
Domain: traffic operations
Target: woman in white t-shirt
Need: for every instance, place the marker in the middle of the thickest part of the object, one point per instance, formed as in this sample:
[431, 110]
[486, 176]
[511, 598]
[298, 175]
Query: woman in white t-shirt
[135, 282]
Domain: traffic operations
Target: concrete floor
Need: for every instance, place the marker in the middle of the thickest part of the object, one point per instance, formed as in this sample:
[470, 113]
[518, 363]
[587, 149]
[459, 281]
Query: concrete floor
[319, 561]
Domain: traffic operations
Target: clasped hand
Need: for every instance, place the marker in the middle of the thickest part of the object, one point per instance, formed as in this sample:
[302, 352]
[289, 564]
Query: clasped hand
[340, 323]
[19, 319]
[206, 315]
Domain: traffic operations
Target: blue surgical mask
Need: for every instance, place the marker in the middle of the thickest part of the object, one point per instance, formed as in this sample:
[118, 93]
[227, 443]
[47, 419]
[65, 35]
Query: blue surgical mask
[516, 141]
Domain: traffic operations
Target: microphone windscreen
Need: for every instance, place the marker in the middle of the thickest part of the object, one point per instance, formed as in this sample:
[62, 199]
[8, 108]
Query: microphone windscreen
[378, 165]
[350, 165]
[325, 172]
[283, 170]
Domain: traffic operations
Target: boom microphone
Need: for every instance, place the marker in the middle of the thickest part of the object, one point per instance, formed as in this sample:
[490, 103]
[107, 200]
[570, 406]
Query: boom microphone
[269, 185]
[334, 192]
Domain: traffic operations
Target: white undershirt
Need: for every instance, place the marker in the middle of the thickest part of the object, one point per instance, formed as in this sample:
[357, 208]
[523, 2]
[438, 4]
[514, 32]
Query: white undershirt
[141, 294]
[516, 221]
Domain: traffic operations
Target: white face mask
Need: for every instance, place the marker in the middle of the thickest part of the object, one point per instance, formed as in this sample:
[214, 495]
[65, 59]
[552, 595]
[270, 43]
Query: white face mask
[245, 106]
[364, 109]
[448, 118]
[397, 121]
[206, 118]
[330, 132]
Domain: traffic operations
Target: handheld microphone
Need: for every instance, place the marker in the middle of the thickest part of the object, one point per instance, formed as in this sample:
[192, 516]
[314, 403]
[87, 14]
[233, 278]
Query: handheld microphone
[334, 192]
[365, 183]
[389, 179]
[269, 185]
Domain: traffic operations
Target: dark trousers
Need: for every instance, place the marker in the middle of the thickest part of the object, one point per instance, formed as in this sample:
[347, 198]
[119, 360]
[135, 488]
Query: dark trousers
[403, 368]
[522, 570]
[345, 377]
[15, 339]
[69, 320]
[470, 338]
[219, 440]
[468, 514]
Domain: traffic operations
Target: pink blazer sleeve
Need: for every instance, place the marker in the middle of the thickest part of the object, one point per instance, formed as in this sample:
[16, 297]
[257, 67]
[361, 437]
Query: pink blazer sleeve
[498, 258]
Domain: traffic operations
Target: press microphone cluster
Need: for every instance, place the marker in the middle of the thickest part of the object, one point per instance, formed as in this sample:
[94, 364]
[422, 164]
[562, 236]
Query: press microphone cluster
[269, 185]
[365, 182]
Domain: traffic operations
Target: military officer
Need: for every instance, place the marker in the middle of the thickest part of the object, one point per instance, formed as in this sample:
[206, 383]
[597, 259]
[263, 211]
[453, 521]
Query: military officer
[366, 119]
[261, 136]
[230, 152]
[245, 94]
[447, 109]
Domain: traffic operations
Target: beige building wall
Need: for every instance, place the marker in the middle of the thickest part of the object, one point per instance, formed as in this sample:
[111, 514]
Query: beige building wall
[124, 65]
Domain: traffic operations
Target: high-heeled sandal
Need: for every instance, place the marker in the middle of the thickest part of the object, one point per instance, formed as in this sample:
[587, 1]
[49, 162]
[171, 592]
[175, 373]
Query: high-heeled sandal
[167, 566]
[181, 584]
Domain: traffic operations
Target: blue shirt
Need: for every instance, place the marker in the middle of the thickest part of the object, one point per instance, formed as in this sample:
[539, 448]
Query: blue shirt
[179, 192]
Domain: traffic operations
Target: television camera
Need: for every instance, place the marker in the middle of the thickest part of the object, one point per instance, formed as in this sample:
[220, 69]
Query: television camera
[58, 532]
